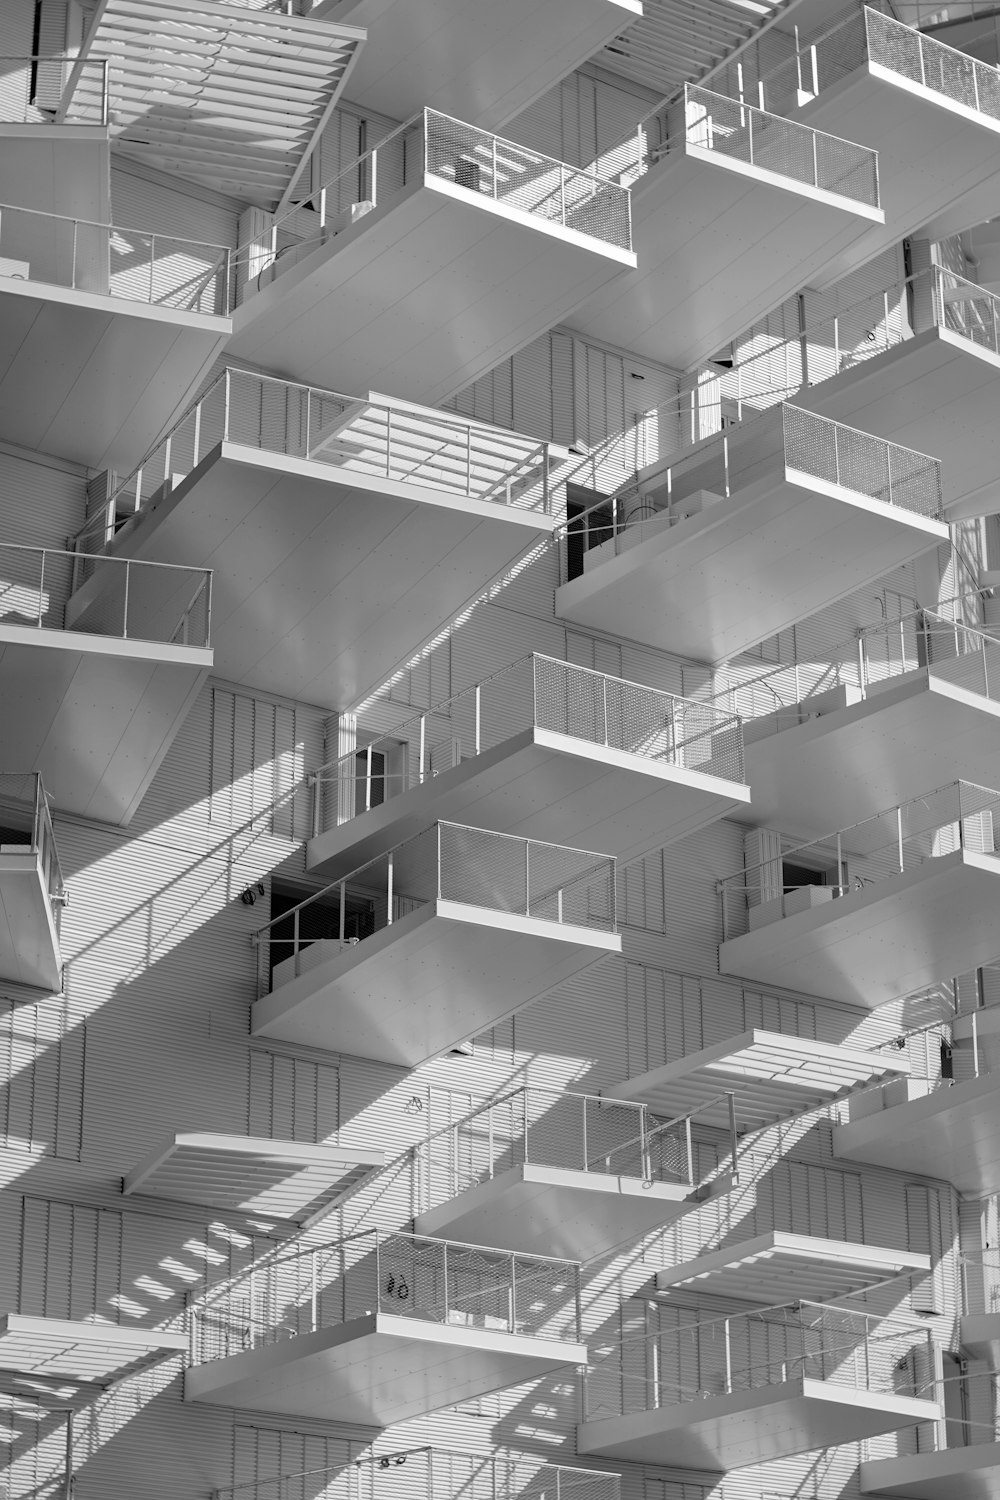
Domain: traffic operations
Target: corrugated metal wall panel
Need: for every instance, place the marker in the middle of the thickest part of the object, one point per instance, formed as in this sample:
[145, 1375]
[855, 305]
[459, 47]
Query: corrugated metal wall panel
[151, 201]
[42, 501]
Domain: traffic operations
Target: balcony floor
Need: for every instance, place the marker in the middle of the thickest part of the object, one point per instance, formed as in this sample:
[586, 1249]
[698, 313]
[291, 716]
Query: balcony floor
[454, 259]
[934, 156]
[551, 1211]
[720, 244]
[94, 714]
[743, 569]
[376, 1370]
[936, 392]
[909, 734]
[324, 581]
[971, 1473]
[436, 977]
[717, 1433]
[473, 60]
[547, 786]
[952, 1134]
[29, 942]
[92, 378]
[773, 1075]
[776, 1267]
[891, 938]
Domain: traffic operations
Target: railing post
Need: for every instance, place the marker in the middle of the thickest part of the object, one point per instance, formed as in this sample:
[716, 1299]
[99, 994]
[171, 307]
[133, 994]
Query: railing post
[468, 462]
[388, 921]
[41, 590]
[546, 498]
[105, 93]
[444, 1278]
[729, 1359]
[295, 941]
[423, 749]
[513, 1293]
[225, 414]
[899, 832]
[388, 442]
[583, 1102]
[815, 161]
[128, 568]
[343, 912]
[840, 865]
[524, 1118]
[197, 435]
[479, 692]
[562, 194]
[689, 1149]
[527, 877]
[495, 193]
[439, 860]
[604, 682]
[750, 133]
[152, 263]
[314, 1296]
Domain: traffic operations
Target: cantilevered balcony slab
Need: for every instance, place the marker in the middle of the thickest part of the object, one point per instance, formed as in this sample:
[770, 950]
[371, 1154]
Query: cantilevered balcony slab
[95, 710]
[962, 1473]
[285, 1179]
[734, 211]
[40, 1354]
[481, 62]
[327, 572]
[952, 1133]
[931, 113]
[377, 1370]
[456, 228]
[543, 748]
[770, 1074]
[884, 940]
[752, 533]
[103, 331]
[907, 733]
[778, 1267]
[748, 1427]
[481, 923]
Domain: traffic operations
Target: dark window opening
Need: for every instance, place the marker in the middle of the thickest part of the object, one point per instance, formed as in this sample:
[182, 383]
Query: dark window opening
[320, 919]
[590, 524]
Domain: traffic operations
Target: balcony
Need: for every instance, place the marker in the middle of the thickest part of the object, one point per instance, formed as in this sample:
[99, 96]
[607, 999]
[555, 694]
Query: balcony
[576, 1174]
[953, 1112]
[979, 1332]
[935, 380]
[894, 710]
[432, 943]
[777, 1265]
[739, 1391]
[342, 531]
[445, 1475]
[70, 1361]
[896, 903]
[923, 106]
[382, 1327]
[31, 888]
[541, 747]
[735, 210]
[293, 1180]
[471, 60]
[55, 168]
[466, 229]
[95, 705]
[104, 331]
[969, 1471]
[751, 532]
[769, 1076]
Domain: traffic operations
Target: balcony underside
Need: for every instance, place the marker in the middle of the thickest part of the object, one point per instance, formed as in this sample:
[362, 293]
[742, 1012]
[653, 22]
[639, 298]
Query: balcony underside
[40, 1356]
[775, 1268]
[934, 156]
[29, 942]
[547, 786]
[434, 978]
[952, 1134]
[744, 568]
[94, 378]
[284, 1179]
[470, 59]
[377, 1370]
[449, 258]
[772, 1075]
[717, 1433]
[322, 583]
[551, 1211]
[909, 734]
[57, 169]
[937, 392]
[979, 1335]
[720, 244]
[892, 938]
[971, 1473]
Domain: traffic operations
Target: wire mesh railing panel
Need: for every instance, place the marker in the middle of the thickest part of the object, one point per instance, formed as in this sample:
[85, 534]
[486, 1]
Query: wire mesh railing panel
[500, 872]
[861, 462]
[922, 59]
[968, 310]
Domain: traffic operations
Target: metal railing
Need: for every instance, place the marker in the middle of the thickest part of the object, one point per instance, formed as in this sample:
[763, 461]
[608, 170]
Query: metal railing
[148, 601]
[434, 145]
[790, 694]
[498, 872]
[31, 89]
[798, 440]
[395, 441]
[753, 1350]
[32, 831]
[109, 260]
[433, 1474]
[534, 692]
[387, 1272]
[589, 1133]
[953, 818]
[981, 1281]
[732, 129]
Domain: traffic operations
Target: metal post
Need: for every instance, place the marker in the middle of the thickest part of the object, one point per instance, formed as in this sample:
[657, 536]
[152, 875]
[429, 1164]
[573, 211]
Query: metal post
[225, 415]
[41, 589]
[388, 442]
[152, 262]
[343, 912]
[689, 1150]
[68, 1481]
[423, 747]
[468, 461]
[314, 1295]
[899, 834]
[444, 1278]
[76, 225]
[975, 1045]
[524, 1131]
[750, 133]
[513, 1293]
[128, 567]
[562, 194]
[439, 859]
[583, 1102]
[840, 865]
[105, 93]
[389, 893]
[605, 685]
[527, 877]
[732, 1131]
[368, 779]
[815, 161]
[295, 941]
[495, 193]
[729, 1359]
[479, 692]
